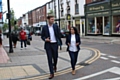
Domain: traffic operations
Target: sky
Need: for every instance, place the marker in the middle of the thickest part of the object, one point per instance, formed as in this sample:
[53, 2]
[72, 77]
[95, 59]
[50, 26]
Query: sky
[23, 6]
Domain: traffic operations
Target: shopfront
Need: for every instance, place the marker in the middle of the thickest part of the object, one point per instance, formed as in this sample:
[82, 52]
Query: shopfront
[103, 18]
[98, 19]
[115, 5]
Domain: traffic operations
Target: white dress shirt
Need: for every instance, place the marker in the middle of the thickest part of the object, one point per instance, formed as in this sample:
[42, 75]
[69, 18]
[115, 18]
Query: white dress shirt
[73, 46]
[52, 34]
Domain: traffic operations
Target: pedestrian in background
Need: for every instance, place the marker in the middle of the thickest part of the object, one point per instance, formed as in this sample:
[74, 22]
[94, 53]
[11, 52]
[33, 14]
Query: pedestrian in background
[51, 36]
[14, 38]
[23, 38]
[0, 38]
[73, 42]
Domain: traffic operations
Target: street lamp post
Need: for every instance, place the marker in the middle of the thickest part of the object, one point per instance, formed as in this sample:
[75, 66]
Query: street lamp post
[59, 12]
[9, 23]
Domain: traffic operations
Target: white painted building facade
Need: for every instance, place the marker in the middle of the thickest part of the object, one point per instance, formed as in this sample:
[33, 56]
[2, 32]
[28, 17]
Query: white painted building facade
[77, 14]
[24, 20]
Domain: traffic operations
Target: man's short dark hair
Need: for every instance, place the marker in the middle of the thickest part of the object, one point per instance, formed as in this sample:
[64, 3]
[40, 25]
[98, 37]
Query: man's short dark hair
[50, 16]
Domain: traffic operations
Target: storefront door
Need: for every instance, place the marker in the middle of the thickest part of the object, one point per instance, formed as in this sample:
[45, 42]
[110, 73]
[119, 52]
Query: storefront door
[103, 25]
[99, 25]
[77, 25]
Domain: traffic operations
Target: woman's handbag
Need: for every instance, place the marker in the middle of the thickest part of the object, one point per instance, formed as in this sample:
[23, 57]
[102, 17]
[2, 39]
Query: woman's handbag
[28, 42]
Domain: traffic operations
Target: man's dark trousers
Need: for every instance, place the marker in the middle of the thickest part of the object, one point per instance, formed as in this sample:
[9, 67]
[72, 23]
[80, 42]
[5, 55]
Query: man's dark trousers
[52, 55]
[25, 43]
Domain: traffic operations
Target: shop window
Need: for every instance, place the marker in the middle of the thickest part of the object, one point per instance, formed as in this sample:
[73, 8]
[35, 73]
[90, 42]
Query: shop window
[116, 24]
[91, 25]
[106, 26]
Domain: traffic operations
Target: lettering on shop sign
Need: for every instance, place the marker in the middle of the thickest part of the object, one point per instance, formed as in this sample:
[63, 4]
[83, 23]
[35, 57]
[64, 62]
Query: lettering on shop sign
[96, 14]
[96, 8]
[117, 11]
[115, 4]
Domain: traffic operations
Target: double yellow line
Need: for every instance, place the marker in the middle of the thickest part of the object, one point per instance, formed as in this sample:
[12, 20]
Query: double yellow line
[91, 60]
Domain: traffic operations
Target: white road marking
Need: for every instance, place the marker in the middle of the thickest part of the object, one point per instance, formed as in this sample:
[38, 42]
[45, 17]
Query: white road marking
[112, 57]
[103, 54]
[118, 62]
[115, 70]
[104, 58]
[113, 79]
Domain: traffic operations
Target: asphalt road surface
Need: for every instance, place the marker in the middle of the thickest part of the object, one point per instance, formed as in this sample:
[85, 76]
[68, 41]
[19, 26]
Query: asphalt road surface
[107, 67]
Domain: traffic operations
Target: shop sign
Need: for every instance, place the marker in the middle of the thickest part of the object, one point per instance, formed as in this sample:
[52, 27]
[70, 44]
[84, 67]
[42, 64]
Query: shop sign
[116, 12]
[115, 4]
[97, 7]
[98, 14]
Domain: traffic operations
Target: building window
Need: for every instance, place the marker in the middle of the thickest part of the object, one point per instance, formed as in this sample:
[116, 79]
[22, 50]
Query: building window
[49, 5]
[76, 8]
[68, 11]
[116, 24]
[61, 13]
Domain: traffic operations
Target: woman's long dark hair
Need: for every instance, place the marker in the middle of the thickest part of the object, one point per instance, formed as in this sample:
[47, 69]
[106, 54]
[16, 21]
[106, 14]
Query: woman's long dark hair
[75, 29]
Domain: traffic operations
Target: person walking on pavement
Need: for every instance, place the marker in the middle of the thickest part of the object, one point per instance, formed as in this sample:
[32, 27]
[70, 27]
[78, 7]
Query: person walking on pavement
[51, 36]
[0, 38]
[14, 38]
[73, 41]
[23, 38]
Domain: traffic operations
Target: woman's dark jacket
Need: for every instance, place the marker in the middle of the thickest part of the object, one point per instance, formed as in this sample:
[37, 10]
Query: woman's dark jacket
[68, 40]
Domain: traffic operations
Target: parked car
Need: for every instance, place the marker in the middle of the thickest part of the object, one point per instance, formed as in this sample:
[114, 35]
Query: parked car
[6, 33]
[63, 33]
[38, 33]
[29, 35]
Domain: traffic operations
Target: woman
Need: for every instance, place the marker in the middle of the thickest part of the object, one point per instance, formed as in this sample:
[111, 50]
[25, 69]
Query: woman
[73, 42]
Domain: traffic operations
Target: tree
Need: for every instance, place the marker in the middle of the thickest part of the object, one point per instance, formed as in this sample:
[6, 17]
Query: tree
[5, 26]
[13, 19]
[51, 12]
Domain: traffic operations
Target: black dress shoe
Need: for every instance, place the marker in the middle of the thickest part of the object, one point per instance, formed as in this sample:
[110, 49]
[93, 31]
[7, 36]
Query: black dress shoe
[51, 76]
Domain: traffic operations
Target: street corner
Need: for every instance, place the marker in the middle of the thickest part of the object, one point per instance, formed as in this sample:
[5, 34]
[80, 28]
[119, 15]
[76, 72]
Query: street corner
[95, 54]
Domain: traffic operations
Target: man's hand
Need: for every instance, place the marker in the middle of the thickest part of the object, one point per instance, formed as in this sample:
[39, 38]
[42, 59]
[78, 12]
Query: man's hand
[68, 44]
[77, 44]
[47, 39]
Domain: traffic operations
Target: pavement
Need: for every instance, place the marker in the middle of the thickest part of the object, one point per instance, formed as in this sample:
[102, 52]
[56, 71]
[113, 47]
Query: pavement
[31, 63]
[101, 39]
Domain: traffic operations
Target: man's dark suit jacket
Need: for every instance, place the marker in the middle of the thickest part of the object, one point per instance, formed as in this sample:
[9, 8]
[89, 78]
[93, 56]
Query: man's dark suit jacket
[45, 34]
[68, 40]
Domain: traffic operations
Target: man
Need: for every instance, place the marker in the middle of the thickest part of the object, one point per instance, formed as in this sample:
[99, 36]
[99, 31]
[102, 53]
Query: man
[23, 38]
[51, 36]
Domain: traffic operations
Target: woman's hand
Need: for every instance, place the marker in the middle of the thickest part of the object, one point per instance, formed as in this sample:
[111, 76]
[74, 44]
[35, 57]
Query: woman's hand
[77, 44]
